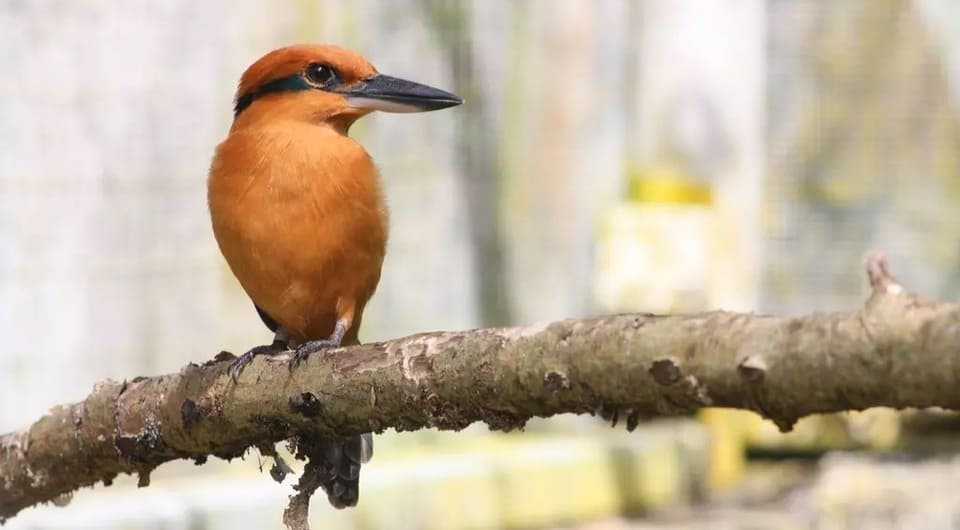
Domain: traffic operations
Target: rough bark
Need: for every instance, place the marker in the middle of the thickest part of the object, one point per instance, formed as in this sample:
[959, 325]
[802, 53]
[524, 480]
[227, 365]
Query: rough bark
[899, 350]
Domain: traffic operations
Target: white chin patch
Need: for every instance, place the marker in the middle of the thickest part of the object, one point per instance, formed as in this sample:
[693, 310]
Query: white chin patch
[379, 104]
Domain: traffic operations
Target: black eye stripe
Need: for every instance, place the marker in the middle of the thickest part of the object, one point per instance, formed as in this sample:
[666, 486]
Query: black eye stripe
[314, 76]
[291, 83]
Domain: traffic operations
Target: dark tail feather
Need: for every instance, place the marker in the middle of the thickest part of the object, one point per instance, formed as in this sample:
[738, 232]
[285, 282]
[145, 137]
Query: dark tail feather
[341, 468]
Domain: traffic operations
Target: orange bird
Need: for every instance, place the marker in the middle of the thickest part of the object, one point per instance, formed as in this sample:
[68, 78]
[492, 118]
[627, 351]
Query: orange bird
[298, 210]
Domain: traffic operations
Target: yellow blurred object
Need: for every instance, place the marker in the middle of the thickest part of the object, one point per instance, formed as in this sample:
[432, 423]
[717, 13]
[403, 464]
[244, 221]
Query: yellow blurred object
[533, 480]
[654, 249]
[665, 184]
[451, 492]
[732, 432]
[548, 483]
[727, 430]
[877, 428]
[651, 478]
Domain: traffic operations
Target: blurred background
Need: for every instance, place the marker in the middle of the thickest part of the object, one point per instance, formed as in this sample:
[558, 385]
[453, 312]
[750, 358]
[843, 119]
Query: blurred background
[612, 155]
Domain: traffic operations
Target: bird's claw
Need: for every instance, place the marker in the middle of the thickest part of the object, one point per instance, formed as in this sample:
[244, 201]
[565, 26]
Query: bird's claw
[313, 346]
[237, 366]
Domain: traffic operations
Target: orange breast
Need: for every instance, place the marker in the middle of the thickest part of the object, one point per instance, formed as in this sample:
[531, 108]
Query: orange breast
[298, 213]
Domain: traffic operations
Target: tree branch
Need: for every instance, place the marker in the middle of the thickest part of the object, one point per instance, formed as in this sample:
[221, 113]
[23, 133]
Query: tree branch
[900, 350]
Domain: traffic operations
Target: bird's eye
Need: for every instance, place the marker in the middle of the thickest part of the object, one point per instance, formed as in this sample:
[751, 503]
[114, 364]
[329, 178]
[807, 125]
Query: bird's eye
[320, 74]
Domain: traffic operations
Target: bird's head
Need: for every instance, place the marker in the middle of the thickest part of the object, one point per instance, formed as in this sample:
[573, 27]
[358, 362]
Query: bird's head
[319, 83]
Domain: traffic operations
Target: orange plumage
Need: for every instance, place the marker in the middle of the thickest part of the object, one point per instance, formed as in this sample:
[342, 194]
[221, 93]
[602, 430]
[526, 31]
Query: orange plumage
[297, 205]
[299, 215]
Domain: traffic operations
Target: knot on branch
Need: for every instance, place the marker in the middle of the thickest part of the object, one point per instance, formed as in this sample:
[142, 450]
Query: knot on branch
[555, 381]
[665, 371]
[189, 414]
[306, 404]
[752, 368]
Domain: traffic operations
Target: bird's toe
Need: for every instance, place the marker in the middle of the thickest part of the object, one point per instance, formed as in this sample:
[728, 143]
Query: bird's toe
[310, 347]
[237, 366]
[240, 363]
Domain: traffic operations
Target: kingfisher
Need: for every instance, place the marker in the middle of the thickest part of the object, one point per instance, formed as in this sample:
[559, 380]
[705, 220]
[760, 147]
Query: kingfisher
[298, 209]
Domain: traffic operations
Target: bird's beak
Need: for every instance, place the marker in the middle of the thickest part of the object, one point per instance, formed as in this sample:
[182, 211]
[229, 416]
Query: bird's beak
[390, 94]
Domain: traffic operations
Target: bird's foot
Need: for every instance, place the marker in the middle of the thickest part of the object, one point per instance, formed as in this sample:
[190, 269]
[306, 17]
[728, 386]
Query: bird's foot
[237, 366]
[313, 346]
